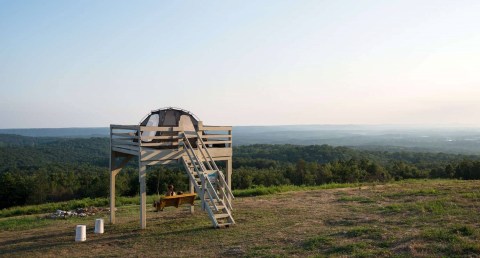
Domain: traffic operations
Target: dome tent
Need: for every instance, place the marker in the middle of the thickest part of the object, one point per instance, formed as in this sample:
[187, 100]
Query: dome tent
[169, 116]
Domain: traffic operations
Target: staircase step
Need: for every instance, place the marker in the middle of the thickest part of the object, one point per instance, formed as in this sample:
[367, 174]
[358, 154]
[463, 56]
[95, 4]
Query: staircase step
[207, 199]
[221, 215]
[224, 225]
[211, 206]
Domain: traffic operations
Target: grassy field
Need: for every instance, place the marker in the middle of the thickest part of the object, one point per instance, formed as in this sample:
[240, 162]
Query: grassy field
[103, 202]
[429, 218]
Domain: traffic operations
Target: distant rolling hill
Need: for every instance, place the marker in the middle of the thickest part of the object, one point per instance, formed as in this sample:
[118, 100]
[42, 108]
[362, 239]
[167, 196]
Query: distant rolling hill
[59, 132]
[376, 137]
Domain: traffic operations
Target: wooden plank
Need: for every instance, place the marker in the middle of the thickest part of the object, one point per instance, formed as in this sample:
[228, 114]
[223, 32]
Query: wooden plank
[125, 135]
[216, 136]
[221, 158]
[172, 137]
[153, 144]
[152, 154]
[228, 176]
[159, 162]
[216, 128]
[159, 128]
[114, 170]
[112, 181]
[221, 216]
[129, 139]
[112, 198]
[125, 127]
[220, 152]
[217, 142]
[124, 142]
[142, 176]
[123, 150]
[128, 147]
[216, 139]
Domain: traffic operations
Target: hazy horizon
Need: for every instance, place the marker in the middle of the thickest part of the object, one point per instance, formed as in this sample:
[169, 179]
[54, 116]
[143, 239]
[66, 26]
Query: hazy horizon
[390, 126]
[381, 137]
[95, 63]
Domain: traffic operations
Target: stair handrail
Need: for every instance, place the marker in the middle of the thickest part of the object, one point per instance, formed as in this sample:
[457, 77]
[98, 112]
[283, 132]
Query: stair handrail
[205, 158]
[209, 184]
[198, 160]
[203, 179]
[189, 146]
[228, 203]
[206, 150]
[211, 187]
[192, 161]
[190, 174]
[224, 182]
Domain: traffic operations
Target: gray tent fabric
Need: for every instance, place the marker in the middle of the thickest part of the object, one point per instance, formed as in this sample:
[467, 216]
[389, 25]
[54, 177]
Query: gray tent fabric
[173, 117]
[152, 120]
[170, 117]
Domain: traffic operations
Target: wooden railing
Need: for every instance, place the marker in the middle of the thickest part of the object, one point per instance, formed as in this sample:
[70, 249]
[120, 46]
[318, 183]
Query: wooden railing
[216, 136]
[130, 138]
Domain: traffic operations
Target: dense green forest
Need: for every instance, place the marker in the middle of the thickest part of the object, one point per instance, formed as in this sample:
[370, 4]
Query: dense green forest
[44, 169]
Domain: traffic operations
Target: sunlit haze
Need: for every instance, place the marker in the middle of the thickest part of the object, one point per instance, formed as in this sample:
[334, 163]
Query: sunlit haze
[93, 63]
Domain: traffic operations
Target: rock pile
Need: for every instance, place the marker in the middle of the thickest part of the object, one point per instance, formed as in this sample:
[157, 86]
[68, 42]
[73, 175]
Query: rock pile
[78, 212]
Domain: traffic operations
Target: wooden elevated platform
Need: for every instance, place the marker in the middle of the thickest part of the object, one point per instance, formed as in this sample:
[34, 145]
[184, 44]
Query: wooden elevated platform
[158, 145]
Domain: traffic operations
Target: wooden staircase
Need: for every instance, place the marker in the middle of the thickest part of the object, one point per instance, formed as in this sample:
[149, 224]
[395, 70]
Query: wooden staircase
[208, 180]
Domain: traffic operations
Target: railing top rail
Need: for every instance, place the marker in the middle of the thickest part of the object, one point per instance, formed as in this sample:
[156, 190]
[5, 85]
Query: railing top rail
[128, 127]
[161, 128]
[175, 128]
[170, 128]
[215, 128]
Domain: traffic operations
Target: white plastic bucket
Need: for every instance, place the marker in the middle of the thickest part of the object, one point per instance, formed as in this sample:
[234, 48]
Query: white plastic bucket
[81, 233]
[99, 226]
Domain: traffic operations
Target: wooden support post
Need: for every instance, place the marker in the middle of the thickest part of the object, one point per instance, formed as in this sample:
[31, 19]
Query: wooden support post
[192, 190]
[112, 181]
[112, 187]
[114, 170]
[142, 176]
[228, 175]
[202, 193]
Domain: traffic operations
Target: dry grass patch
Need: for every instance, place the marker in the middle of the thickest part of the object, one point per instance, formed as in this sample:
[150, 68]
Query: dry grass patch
[413, 218]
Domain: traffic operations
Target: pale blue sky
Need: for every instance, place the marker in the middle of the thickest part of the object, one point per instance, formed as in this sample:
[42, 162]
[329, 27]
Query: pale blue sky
[92, 63]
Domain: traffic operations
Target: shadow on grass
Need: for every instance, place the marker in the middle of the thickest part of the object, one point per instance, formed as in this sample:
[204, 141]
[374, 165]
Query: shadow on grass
[187, 231]
[53, 240]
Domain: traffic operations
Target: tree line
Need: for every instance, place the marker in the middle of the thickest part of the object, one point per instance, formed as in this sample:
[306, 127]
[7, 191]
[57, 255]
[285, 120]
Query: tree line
[47, 170]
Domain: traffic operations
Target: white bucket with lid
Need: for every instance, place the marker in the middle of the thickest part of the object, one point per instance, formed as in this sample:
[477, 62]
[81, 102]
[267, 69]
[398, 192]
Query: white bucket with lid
[81, 233]
[99, 226]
